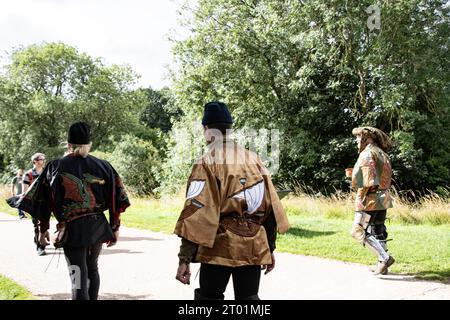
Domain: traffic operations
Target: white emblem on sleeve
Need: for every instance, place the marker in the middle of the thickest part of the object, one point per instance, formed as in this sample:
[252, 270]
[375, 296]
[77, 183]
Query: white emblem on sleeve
[195, 188]
[253, 195]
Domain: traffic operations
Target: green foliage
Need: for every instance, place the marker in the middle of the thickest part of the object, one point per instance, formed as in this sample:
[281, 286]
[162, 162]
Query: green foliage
[138, 163]
[185, 144]
[314, 70]
[47, 87]
[311, 69]
[160, 110]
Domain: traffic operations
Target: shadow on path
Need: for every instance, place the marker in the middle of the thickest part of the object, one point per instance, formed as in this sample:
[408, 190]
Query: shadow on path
[119, 296]
[139, 239]
[116, 251]
[442, 277]
[303, 233]
[102, 296]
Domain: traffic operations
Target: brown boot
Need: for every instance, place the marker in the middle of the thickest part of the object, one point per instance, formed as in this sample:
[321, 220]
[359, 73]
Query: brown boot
[383, 266]
[375, 267]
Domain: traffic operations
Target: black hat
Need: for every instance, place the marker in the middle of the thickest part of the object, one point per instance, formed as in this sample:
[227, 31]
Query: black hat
[79, 133]
[216, 112]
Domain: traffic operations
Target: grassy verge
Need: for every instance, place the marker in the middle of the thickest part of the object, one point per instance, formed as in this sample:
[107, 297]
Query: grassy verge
[4, 207]
[422, 250]
[430, 210]
[321, 227]
[9, 290]
[155, 215]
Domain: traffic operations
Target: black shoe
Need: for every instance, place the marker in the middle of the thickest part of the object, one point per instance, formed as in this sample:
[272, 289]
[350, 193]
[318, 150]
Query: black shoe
[22, 217]
[41, 252]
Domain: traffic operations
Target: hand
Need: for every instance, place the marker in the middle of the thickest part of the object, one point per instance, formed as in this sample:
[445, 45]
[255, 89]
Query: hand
[269, 267]
[349, 172]
[183, 274]
[44, 238]
[113, 242]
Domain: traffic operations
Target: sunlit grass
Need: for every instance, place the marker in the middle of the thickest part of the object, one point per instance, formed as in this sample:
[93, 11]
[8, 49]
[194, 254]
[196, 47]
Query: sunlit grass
[321, 227]
[158, 215]
[9, 290]
[430, 209]
[422, 250]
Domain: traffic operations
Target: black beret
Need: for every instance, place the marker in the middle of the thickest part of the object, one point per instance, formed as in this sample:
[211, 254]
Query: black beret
[216, 112]
[79, 133]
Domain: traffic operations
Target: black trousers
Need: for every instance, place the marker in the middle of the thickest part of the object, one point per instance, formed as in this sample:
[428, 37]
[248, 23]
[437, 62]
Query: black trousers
[83, 271]
[36, 234]
[377, 226]
[214, 280]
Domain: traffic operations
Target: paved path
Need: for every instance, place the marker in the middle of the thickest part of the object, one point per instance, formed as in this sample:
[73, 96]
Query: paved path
[143, 265]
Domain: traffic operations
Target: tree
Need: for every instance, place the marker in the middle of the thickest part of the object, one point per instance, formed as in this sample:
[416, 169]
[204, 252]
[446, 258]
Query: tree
[139, 163]
[159, 111]
[46, 87]
[315, 69]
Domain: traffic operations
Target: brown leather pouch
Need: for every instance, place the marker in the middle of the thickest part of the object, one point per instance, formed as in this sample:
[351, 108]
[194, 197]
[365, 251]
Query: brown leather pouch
[241, 227]
[62, 232]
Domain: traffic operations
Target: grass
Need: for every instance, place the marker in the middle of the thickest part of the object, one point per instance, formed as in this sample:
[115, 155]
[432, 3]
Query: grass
[156, 215]
[421, 250]
[9, 290]
[321, 227]
[431, 209]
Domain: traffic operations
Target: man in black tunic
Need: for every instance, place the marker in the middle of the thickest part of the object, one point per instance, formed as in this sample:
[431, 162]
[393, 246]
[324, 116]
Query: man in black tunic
[77, 189]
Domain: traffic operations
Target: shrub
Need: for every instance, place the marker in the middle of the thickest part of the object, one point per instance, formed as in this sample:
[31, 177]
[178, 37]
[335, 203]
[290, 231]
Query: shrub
[138, 162]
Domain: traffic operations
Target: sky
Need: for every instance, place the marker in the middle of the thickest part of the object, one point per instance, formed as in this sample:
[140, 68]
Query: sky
[134, 32]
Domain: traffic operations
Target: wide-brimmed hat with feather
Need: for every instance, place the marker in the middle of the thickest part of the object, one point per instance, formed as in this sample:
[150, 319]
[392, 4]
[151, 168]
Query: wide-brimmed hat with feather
[378, 136]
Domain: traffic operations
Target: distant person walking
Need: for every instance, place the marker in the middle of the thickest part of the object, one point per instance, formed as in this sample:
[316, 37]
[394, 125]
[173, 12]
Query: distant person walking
[29, 177]
[371, 179]
[16, 189]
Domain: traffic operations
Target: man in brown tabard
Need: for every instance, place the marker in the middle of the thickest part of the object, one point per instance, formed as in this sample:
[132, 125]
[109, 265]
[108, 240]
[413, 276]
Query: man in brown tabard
[231, 215]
